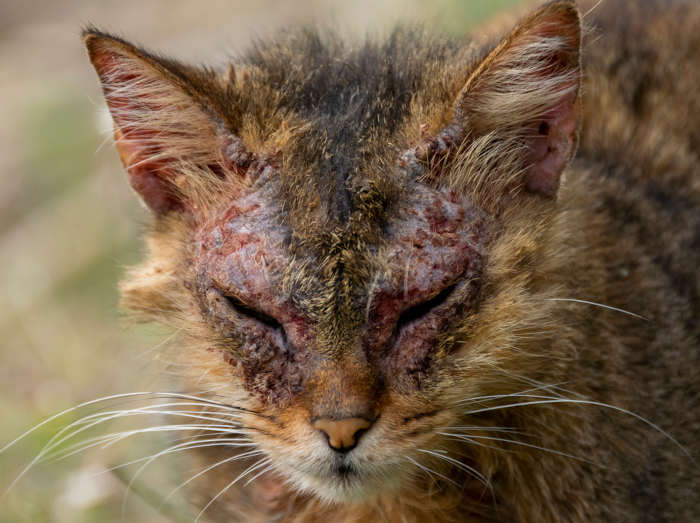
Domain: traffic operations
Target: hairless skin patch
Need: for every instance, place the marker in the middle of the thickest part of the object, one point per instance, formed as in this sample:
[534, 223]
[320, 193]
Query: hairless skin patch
[241, 259]
[433, 255]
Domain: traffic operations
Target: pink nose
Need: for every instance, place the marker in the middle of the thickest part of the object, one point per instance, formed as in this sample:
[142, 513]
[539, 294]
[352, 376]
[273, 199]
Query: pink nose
[343, 433]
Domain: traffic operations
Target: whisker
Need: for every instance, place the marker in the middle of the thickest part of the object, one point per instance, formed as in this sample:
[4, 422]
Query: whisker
[158, 345]
[151, 459]
[470, 470]
[270, 467]
[464, 437]
[430, 472]
[200, 473]
[260, 463]
[623, 311]
[130, 395]
[583, 16]
[192, 444]
[553, 387]
[509, 430]
[202, 376]
[108, 440]
[477, 399]
[530, 445]
[64, 412]
[103, 417]
[549, 401]
[54, 442]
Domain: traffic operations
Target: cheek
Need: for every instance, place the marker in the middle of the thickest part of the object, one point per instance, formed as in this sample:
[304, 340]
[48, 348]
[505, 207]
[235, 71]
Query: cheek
[205, 369]
[293, 445]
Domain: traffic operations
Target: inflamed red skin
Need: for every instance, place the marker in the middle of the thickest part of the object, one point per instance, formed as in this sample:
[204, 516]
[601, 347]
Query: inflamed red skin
[432, 259]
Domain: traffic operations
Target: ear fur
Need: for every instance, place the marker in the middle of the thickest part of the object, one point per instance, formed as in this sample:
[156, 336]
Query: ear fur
[164, 129]
[520, 107]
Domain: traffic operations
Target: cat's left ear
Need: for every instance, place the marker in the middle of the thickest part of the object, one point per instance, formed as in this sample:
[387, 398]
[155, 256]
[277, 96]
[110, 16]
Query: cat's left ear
[516, 119]
[167, 128]
[527, 91]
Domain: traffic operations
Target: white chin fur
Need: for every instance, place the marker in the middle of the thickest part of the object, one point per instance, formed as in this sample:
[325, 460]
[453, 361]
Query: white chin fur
[341, 491]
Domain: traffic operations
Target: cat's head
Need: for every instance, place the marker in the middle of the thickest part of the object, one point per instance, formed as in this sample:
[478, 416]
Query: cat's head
[346, 238]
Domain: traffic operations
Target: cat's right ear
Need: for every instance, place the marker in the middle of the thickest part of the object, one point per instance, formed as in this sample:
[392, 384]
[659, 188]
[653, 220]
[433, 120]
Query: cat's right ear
[166, 129]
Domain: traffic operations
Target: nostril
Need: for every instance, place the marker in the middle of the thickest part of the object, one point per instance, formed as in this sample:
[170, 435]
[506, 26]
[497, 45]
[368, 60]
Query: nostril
[342, 434]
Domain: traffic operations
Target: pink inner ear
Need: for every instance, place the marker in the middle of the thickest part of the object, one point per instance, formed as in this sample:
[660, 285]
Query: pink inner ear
[135, 142]
[159, 126]
[148, 177]
[552, 148]
[528, 87]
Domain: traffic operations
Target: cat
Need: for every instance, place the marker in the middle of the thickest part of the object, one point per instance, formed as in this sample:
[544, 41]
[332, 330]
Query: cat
[425, 280]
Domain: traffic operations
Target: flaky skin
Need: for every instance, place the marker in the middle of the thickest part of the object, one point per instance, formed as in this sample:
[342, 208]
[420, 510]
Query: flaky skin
[408, 238]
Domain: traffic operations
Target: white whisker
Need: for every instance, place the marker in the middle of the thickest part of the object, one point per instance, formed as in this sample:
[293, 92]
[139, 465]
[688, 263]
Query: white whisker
[108, 440]
[200, 473]
[158, 345]
[102, 417]
[583, 16]
[539, 385]
[255, 466]
[549, 401]
[430, 472]
[509, 430]
[270, 467]
[477, 399]
[470, 470]
[129, 395]
[151, 459]
[468, 439]
[113, 438]
[609, 307]
[522, 443]
[192, 444]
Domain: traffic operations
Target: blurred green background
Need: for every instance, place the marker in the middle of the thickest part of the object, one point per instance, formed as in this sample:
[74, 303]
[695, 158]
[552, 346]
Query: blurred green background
[69, 223]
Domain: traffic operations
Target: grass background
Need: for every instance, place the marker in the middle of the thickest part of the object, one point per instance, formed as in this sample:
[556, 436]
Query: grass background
[69, 223]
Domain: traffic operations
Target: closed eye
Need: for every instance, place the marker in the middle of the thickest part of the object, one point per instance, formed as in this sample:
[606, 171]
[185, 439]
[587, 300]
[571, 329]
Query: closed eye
[421, 309]
[246, 310]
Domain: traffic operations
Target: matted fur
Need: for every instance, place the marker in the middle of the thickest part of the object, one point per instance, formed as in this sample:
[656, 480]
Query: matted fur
[567, 391]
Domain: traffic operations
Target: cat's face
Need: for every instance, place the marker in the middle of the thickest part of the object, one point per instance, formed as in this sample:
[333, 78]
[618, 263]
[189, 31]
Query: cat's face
[328, 352]
[340, 286]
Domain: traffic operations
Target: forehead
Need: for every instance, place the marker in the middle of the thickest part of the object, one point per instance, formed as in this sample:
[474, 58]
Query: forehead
[348, 107]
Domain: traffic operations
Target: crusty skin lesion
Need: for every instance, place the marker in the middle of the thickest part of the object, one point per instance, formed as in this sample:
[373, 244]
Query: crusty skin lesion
[401, 233]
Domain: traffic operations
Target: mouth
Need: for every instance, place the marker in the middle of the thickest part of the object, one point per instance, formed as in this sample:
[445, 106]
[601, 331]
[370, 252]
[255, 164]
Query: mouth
[345, 470]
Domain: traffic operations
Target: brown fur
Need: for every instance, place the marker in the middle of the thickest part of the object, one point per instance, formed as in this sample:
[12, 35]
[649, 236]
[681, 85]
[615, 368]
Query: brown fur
[333, 164]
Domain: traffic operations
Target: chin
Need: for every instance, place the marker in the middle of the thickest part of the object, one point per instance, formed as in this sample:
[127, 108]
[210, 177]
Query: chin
[345, 487]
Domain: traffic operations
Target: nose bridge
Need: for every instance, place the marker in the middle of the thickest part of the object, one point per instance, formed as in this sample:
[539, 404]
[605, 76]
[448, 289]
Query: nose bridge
[344, 387]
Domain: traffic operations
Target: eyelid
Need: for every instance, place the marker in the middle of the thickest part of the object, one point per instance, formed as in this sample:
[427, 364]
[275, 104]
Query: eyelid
[246, 310]
[419, 310]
